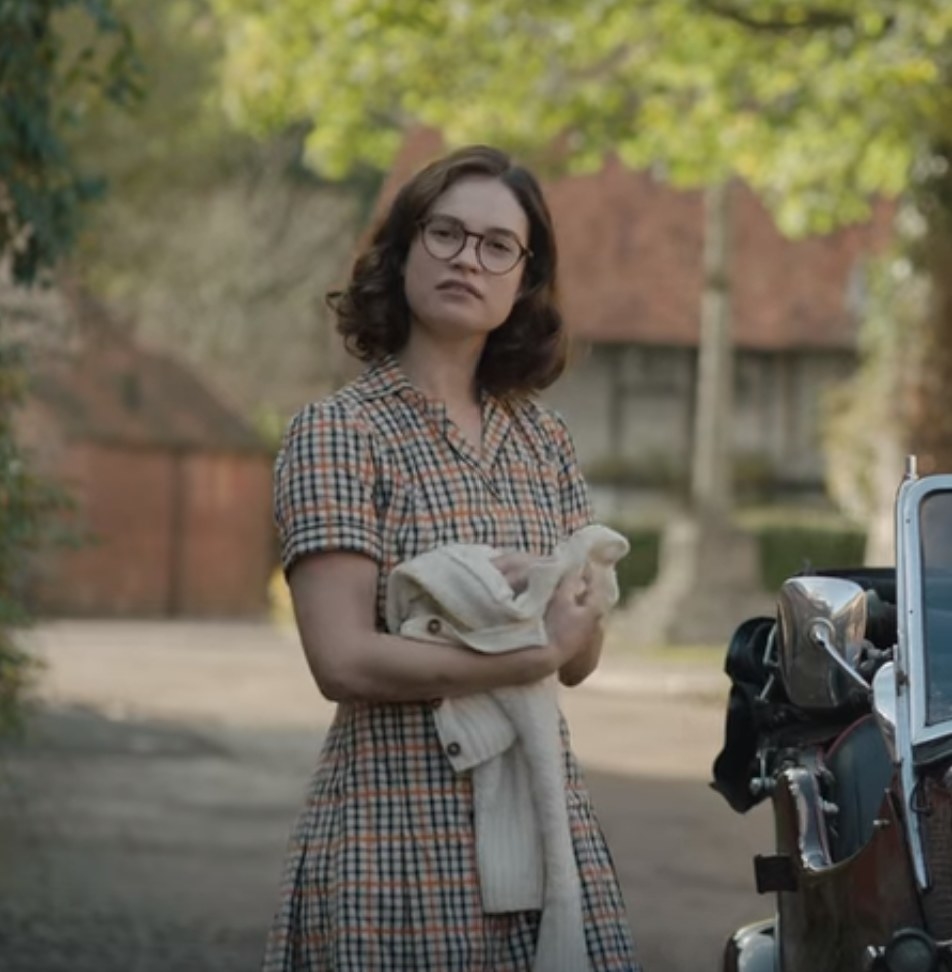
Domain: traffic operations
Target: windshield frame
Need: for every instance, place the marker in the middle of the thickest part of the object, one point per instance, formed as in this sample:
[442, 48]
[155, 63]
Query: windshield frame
[930, 741]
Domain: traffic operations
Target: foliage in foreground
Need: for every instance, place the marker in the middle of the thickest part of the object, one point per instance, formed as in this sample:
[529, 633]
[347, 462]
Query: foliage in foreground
[49, 68]
[27, 505]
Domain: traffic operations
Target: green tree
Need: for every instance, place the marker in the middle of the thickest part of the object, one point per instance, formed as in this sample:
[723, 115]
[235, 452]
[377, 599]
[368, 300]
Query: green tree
[47, 75]
[817, 109]
[212, 244]
[819, 106]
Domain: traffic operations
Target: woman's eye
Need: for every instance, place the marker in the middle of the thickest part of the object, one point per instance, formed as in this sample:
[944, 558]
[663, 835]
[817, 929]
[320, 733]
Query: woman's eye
[444, 233]
[500, 244]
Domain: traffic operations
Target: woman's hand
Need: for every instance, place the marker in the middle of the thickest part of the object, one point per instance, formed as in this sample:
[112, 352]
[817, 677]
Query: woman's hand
[514, 566]
[572, 621]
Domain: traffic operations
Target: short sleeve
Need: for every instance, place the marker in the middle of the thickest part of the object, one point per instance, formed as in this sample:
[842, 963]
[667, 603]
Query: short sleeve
[323, 486]
[573, 491]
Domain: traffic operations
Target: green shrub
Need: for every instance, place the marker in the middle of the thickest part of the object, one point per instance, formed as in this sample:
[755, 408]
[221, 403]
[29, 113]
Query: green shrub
[640, 567]
[787, 550]
[651, 471]
[17, 669]
[47, 86]
[29, 505]
[755, 477]
[784, 550]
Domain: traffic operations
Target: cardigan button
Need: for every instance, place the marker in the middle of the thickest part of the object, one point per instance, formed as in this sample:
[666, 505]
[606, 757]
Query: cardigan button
[434, 626]
[454, 749]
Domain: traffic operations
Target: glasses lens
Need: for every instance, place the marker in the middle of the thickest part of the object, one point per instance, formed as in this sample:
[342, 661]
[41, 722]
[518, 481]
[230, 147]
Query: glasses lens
[443, 238]
[499, 253]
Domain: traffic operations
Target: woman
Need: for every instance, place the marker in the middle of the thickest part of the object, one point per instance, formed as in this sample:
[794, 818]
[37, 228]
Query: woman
[453, 307]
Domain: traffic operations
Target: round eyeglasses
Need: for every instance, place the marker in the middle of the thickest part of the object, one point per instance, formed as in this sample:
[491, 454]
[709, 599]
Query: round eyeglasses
[497, 251]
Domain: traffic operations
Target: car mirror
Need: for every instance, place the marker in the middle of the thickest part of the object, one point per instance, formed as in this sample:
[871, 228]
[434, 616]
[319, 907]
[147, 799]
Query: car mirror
[822, 622]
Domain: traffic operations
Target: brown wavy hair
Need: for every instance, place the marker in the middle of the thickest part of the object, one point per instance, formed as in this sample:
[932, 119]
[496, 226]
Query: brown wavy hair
[527, 352]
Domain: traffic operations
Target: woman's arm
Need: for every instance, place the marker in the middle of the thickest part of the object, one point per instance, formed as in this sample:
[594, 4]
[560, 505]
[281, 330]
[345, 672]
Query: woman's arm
[577, 669]
[334, 596]
[514, 566]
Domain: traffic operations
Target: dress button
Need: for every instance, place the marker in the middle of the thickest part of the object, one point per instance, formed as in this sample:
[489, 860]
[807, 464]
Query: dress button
[454, 749]
[433, 626]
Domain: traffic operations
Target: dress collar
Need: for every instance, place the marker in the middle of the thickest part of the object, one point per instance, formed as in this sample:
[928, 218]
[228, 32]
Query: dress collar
[386, 377]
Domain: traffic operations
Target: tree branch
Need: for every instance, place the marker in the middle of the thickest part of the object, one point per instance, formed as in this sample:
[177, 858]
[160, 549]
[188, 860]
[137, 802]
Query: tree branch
[812, 20]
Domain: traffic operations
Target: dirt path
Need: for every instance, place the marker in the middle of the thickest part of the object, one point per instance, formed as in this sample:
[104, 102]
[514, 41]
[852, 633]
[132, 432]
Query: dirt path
[143, 818]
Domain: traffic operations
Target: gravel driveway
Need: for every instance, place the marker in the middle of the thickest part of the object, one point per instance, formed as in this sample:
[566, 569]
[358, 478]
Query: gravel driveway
[143, 817]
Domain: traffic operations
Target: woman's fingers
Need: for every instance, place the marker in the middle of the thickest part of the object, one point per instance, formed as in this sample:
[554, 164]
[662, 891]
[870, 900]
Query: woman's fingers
[514, 566]
[570, 620]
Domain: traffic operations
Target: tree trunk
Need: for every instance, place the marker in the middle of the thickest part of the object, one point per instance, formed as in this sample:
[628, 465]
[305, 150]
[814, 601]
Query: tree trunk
[930, 398]
[708, 575]
[711, 486]
[916, 367]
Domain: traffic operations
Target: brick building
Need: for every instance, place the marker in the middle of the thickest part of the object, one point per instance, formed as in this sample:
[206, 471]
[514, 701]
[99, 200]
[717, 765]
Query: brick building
[631, 282]
[172, 490]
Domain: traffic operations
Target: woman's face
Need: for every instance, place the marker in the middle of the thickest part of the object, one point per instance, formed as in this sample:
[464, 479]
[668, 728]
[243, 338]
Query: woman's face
[457, 297]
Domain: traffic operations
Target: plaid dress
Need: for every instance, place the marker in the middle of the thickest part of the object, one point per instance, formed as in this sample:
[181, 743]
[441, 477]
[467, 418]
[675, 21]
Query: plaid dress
[381, 871]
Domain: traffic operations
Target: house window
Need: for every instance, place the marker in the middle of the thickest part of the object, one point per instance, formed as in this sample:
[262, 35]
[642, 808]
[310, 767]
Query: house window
[647, 371]
[748, 372]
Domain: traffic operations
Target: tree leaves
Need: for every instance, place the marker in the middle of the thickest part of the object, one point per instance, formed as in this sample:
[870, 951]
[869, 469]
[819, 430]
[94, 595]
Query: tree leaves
[817, 105]
[41, 196]
[41, 86]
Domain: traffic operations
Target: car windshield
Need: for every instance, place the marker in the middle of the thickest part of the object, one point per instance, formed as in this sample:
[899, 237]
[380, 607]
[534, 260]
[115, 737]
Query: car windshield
[935, 518]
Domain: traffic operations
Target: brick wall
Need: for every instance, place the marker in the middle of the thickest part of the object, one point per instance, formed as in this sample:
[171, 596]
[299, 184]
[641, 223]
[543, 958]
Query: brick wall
[168, 534]
[227, 555]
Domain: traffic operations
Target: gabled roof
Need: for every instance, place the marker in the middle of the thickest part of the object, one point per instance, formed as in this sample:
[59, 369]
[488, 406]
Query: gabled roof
[107, 389]
[630, 261]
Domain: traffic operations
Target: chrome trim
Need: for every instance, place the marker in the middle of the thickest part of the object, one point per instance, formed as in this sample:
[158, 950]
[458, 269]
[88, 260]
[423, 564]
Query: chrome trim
[884, 705]
[906, 769]
[822, 621]
[911, 647]
[823, 633]
[814, 855]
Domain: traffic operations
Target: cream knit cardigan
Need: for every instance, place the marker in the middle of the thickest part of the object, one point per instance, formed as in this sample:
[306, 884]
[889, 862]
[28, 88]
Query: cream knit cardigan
[510, 737]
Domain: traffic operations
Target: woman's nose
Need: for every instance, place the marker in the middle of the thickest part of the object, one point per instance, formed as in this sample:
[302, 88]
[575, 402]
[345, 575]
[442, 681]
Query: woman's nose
[469, 256]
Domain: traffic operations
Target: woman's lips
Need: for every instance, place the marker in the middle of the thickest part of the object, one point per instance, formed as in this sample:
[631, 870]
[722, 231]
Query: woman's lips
[459, 287]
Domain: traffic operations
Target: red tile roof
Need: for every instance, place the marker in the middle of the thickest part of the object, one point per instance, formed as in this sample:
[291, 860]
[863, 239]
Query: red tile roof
[630, 254]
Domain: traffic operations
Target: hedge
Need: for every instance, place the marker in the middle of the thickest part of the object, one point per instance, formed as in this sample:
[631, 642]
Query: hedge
[784, 551]
[789, 550]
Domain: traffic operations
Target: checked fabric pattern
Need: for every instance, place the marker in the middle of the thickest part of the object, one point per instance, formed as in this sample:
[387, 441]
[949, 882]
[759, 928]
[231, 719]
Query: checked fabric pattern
[381, 868]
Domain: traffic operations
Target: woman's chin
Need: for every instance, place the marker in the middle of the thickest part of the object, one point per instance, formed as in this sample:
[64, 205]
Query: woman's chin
[459, 321]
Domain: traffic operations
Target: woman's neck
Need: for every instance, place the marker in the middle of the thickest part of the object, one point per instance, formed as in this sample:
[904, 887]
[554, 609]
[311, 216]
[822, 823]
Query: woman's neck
[445, 373]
